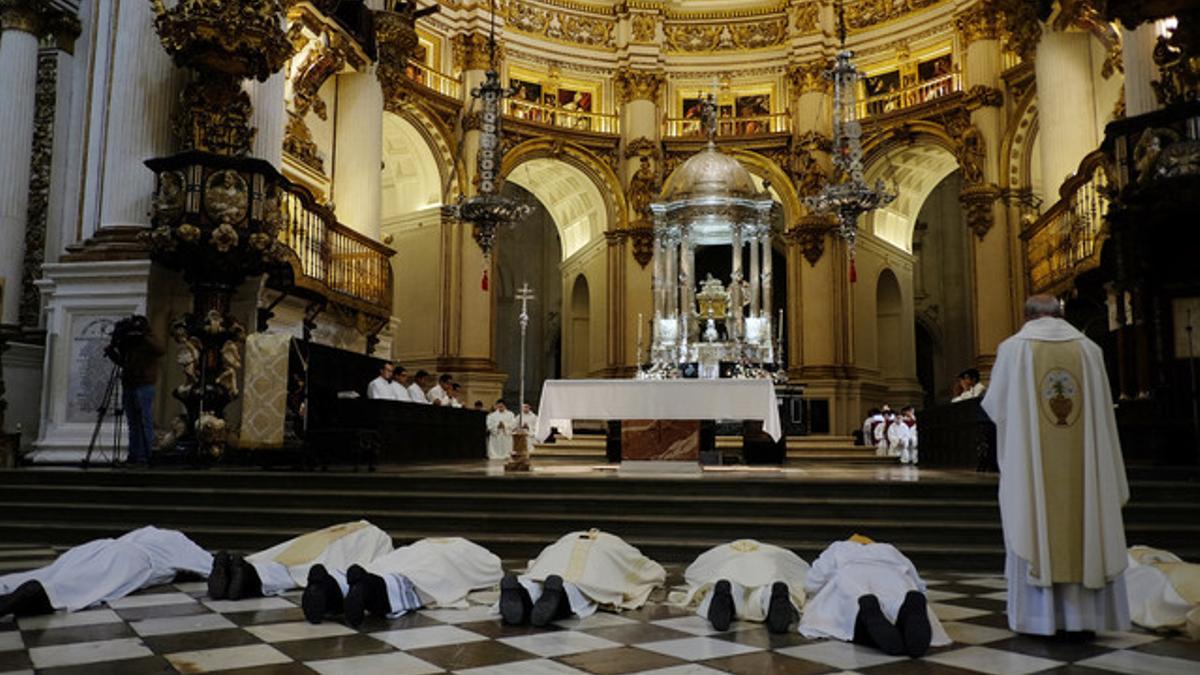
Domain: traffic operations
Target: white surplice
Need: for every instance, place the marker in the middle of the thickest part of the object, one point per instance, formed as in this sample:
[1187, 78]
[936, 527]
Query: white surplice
[416, 394]
[437, 395]
[978, 389]
[1163, 591]
[500, 427]
[751, 568]
[442, 570]
[845, 572]
[1020, 401]
[529, 421]
[399, 392]
[285, 566]
[601, 567]
[108, 569]
[381, 389]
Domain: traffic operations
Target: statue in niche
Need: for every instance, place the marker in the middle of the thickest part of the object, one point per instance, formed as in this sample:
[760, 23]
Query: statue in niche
[971, 155]
[643, 187]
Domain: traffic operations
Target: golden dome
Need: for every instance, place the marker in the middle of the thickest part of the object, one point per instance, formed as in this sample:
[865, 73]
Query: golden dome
[709, 173]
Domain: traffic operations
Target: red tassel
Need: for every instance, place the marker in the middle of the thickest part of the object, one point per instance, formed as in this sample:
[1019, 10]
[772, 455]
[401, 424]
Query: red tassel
[853, 272]
[483, 284]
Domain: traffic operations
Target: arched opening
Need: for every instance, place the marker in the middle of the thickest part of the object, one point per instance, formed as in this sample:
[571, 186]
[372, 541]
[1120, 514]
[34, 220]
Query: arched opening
[889, 338]
[914, 170]
[411, 181]
[579, 356]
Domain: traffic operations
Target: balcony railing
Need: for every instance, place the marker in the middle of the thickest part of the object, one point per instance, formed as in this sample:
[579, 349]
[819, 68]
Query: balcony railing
[446, 85]
[1065, 240]
[910, 96]
[752, 125]
[332, 256]
[560, 116]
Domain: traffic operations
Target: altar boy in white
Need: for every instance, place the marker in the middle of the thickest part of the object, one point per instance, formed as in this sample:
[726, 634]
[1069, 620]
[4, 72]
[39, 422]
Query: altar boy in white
[501, 423]
[577, 574]
[871, 594]
[747, 580]
[102, 571]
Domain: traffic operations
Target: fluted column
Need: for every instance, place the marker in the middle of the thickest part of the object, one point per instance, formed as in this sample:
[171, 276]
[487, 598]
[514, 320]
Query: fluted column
[357, 169]
[1065, 93]
[1137, 54]
[19, 26]
[269, 117]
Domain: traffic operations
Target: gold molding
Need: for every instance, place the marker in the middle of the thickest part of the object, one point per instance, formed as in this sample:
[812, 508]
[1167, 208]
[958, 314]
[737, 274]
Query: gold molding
[26, 16]
[471, 52]
[638, 85]
[977, 23]
[698, 38]
[809, 76]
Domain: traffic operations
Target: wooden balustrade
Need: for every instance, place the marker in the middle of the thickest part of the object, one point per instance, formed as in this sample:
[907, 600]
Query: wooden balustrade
[1065, 241]
[446, 85]
[562, 116]
[750, 125]
[910, 96]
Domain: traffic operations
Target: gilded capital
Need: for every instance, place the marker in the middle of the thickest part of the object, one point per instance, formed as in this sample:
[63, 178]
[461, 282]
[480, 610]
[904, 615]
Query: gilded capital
[977, 22]
[809, 77]
[638, 85]
[26, 16]
[471, 52]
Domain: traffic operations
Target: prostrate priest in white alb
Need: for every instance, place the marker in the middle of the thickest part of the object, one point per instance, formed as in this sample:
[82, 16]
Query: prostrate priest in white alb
[102, 570]
[1062, 478]
[1163, 591]
[501, 424]
[747, 580]
[577, 574]
[285, 566]
[382, 387]
[427, 573]
[870, 594]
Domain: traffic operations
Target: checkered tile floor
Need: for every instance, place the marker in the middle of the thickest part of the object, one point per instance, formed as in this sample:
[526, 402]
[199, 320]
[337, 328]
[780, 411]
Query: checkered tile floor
[175, 628]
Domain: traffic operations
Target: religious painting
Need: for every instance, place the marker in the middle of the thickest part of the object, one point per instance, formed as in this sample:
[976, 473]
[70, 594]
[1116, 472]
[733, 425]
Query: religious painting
[574, 101]
[753, 113]
[935, 72]
[525, 98]
[883, 92]
[693, 115]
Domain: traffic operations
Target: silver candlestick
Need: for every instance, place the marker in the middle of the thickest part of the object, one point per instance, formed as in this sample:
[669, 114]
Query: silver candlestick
[524, 294]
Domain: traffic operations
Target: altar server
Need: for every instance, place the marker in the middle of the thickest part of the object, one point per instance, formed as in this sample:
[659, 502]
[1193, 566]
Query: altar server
[381, 387]
[1163, 591]
[874, 416]
[528, 418]
[902, 435]
[500, 426]
[102, 570]
[883, 446]
[871, 594]
[577, 574]
[285, 566]
[428, 573]
[747, 580]
[1062, 478]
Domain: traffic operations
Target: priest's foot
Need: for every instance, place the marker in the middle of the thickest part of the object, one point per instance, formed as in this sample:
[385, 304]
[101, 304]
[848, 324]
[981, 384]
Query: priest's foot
[780, 612]
[912, 620]
[368, 593]
[218, 578]
[243, 580]
[28, 599]
[515, 603]
[553, 605]
[720, 608]
[872, 628]
[321, 595]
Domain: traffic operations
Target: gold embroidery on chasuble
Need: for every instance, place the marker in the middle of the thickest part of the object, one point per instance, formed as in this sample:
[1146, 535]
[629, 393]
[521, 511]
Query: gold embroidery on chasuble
[1057, 367]
[309, 546]
[744, 546]
[579, 557]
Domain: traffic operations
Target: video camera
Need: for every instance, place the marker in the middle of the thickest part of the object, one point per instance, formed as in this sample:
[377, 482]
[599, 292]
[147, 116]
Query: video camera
[125, 334]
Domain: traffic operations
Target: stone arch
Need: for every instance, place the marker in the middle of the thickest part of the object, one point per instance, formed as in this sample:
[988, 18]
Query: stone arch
[1019, 162]
[914, 164]
[581, 159]
[440, 139]
[889, 314]
[766, 169]
[580, 336]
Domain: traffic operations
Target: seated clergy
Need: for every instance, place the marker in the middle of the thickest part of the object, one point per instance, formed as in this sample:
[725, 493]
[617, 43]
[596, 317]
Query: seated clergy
[416, 390]
[439, 394]
[1163, 591]
[575, 575]
[285, 566]
[102, 571]
[500, 426]
[747, 580]
[381, 387]
[871, 594]
[427, 573]
[400, 384]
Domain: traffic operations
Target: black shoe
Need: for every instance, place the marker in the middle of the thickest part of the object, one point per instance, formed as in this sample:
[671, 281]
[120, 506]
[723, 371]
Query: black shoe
[368, 593]
[321, 595]
[912, 620]
[515, 603]
[28, 599]
[780, 612]
[873, 629]
[218, 578]
[243, 580]
[720, 608]
[553, 605]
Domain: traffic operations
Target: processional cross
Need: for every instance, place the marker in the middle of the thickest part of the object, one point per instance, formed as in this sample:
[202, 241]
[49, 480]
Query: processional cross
[524, 294]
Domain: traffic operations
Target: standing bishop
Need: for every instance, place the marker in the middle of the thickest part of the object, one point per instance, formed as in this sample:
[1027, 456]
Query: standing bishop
[1062, 478]
[500, 426]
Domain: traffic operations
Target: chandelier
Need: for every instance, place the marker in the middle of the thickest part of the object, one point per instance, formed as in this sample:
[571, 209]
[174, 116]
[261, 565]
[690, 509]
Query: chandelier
[487, 210]
[848, 195]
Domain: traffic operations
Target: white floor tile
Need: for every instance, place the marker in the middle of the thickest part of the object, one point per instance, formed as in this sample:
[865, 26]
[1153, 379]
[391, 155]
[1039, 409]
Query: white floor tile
[698, 625]
[225, 658]
[17, 672]
[956, 613]
[998, 595]
[697, 648]
[10, 640]
[684, 669]
[429, 636]
[152, 600]
[1139, 663]
[987, 582]
[181, 624]
[298, 630]
[68, 619]
[597, 620]
[993, 661]
[558, 644]
[192, 587]
[840, 654]
[535, 667]
[972, 634]
[396, 663]
[88, 652]
[934, 595]
[455, 616]
[249, 605]
[1127, 640]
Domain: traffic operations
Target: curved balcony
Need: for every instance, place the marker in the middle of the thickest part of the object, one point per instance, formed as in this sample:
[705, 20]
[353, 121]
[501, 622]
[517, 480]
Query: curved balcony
[910, 97]
[425, 76]
[1065, 241]
[749, 125]
[562, 117]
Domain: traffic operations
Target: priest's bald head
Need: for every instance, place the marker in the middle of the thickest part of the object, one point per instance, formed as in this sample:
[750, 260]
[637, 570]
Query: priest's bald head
[1040, 306]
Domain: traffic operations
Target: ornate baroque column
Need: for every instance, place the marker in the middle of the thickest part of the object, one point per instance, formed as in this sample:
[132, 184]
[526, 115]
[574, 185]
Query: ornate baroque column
[269, 117]
[359, 151]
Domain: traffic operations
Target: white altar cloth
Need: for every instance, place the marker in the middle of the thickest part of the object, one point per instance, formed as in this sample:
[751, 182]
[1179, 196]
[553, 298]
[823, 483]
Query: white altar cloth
[685, 399]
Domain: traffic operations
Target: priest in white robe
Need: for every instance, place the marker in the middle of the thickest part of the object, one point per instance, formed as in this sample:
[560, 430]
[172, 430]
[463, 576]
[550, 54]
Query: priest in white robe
[102, 571]
[382, 387]
[869, 593]
[576, 575]
[501, 424]
[285, 566]
[1062, 479]
[746, 580]
[1163, 591]
[529, 419]
[435, 573]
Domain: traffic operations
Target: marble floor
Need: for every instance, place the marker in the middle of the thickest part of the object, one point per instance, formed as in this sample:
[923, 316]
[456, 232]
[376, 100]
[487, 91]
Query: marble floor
[175, 628]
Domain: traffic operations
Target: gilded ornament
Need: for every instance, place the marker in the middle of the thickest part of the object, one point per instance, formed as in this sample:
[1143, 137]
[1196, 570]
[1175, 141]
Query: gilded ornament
[976, 23]
[810, 233]
[1017, 22]
[809, 77]
[225, 197]
[977, 201]
[982, 95]
[259, 241]
[644, 186]
[470, 51]
[806, 17]
[299, 144]
[641, 240]
[642, 147]
[45, 97]
[162, 238]
[866, 13]
[188, 233]
[27, 16]
[168, 201]
[695, 37]
[224, 238]
[591, 31]
[638, 85]
[320, 62]
[643, 27]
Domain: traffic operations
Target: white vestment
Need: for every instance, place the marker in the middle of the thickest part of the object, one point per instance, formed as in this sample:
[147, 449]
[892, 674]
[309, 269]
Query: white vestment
[529, 421]
[399, 393]
[437, 395]
[845, 572]
[1163, 591]
[975, 391]
[500, 427]
[751, 568]
[1060, 506]
[416, 394]
[443, 571]
[381, 389]
[868, 429]
[108, 569]
[285, 566]
[883, 446]
[598, 566]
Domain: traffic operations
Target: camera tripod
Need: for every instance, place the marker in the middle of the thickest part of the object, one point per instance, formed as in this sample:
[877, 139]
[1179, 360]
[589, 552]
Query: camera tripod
[111, 398]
